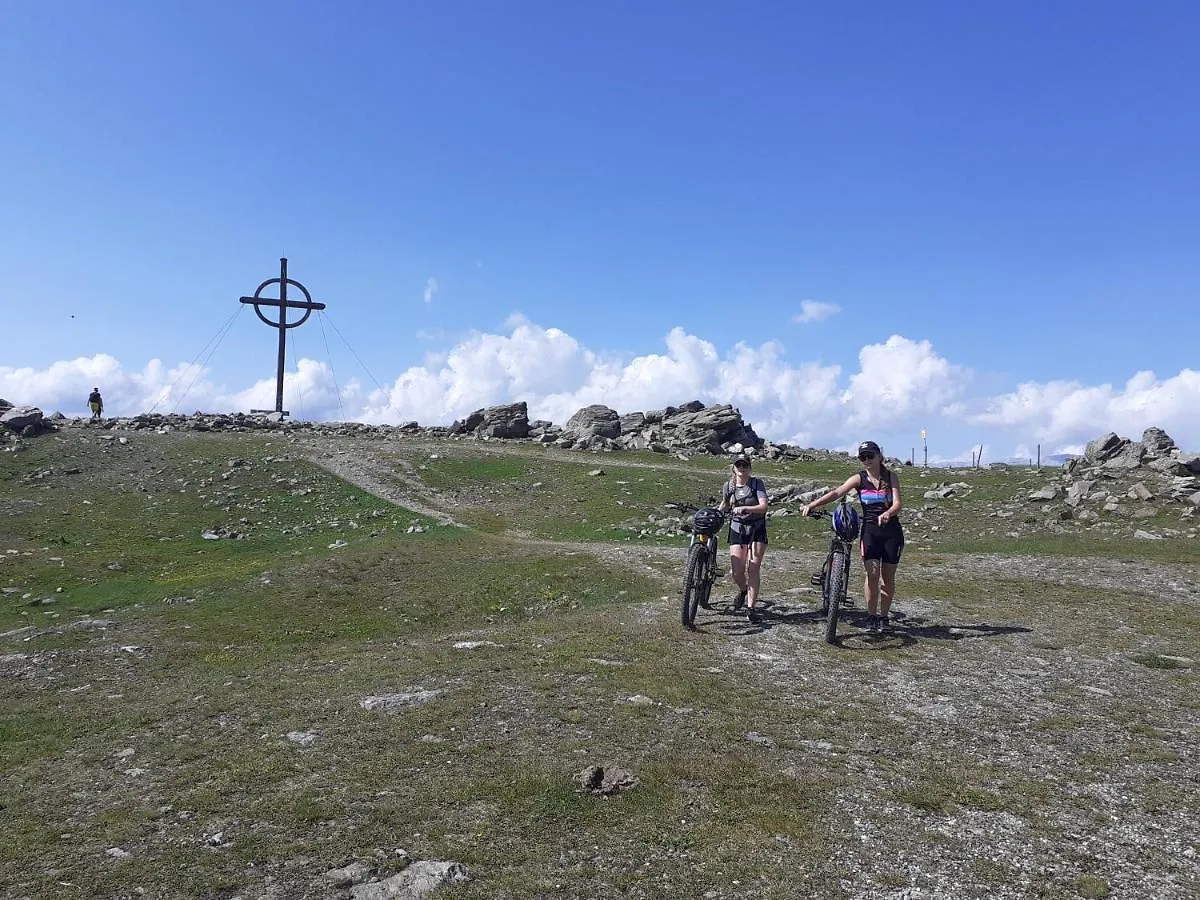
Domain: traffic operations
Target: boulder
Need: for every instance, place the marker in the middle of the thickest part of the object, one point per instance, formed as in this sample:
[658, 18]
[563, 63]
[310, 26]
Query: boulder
[1140, 492]
[596, 420]
[712, 429]
[1157, 442]
[1128, 457]
[1190, 461]
[509, 420]
[19, 418]
[1104, 447]
[1078, 491]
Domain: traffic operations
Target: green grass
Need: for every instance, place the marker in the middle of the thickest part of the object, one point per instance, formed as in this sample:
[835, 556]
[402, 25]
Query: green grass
[170, 725]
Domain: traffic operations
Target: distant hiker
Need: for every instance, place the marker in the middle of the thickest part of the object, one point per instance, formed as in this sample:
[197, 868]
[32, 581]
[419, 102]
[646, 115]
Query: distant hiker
[95, 403]
[882, 537]
[745, 497]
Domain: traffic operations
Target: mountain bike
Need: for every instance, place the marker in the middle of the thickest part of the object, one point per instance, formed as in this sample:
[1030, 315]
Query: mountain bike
[834, 578]
[700, 571]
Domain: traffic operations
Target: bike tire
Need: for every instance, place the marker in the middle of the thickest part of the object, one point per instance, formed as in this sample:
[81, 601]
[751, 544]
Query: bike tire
[706, 579]
[836, 594]
[693, 573]
[825, 584]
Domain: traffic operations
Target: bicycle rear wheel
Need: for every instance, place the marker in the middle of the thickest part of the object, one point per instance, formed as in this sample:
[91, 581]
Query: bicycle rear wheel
[693, 577]
[835, 593]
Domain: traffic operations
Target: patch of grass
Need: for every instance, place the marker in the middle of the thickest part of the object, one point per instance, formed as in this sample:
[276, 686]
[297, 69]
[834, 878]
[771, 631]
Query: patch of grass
[1157, 661]
[1092, 886]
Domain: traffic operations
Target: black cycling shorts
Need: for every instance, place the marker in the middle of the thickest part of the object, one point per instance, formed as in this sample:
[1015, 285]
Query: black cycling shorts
[752, 532]
[883, 542]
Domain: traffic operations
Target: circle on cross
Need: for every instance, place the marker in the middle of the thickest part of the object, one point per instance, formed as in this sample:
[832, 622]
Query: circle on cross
[282, 303]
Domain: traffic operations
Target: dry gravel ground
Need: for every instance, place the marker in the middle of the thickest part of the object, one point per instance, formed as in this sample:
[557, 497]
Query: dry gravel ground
[1029, 729]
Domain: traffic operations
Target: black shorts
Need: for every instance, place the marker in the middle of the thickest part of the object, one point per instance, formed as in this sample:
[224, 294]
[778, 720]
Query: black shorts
[883, 542]
[752, 532]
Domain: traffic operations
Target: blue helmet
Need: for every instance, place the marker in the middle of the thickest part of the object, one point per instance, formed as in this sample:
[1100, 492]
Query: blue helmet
[845, 522]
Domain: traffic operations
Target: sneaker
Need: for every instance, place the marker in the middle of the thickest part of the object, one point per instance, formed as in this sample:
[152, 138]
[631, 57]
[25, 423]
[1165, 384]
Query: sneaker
[753, 616]
[885, 623]
[815, 579]
[873, 624]
[740, 600]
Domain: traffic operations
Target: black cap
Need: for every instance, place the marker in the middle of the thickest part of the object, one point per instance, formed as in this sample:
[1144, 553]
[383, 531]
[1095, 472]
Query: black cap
[869, 447]
[741, 458]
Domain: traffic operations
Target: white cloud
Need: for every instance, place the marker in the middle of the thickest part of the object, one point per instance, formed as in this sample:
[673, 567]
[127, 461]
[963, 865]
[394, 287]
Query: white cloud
[815, 311]
[898, 387]
[900, 381]
[431, 290]
[1061, 414]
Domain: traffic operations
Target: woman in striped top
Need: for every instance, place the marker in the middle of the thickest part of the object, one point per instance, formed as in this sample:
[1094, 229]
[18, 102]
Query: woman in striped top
[882, 536]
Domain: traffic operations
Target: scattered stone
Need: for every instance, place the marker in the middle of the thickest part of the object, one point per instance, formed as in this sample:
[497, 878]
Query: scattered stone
[641, 700]
[118, 853]
[473, 645]
[1049, 492]
[596, 472]
[606, 780]
[1146, 536]
[1140, 492]
[755, 738]
[303, 738]
[397, 701]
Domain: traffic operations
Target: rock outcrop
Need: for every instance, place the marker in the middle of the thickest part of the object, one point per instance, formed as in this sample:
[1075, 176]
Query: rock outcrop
[510, 421]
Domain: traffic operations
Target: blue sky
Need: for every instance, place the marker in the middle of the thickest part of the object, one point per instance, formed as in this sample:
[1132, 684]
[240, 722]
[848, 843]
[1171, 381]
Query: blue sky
[990, 209]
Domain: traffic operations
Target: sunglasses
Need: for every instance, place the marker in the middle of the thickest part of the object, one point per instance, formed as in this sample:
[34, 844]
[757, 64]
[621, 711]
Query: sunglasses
[741, 465]
[866, 456]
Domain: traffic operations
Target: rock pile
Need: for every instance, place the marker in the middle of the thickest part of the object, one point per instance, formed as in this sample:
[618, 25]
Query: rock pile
[27, 421]
[1121, 479]
[691, 428]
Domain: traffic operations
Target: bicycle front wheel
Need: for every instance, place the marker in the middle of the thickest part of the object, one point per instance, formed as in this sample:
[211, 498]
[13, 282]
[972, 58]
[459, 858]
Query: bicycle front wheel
[835, 593]
[693, 577]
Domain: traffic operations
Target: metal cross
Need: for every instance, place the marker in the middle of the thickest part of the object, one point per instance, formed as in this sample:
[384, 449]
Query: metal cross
[284, 304]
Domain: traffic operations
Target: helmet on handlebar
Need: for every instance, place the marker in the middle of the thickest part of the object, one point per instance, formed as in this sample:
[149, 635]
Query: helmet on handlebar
[707, 521]
[845, 522]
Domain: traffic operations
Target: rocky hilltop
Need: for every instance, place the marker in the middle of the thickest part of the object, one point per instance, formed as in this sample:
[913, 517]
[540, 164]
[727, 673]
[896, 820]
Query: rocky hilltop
[690, 428]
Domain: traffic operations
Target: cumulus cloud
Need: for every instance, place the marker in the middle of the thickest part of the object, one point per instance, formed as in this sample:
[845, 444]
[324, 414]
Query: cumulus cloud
[898, 387]
[1063, 413]
[901, 380]
[431, 290]
[815, 311]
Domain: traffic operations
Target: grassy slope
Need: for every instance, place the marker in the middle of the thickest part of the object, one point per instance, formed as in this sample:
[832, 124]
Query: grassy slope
[218, 648]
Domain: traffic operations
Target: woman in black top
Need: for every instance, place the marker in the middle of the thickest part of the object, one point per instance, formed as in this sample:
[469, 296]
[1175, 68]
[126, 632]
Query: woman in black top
[745, 498]
[882, 537]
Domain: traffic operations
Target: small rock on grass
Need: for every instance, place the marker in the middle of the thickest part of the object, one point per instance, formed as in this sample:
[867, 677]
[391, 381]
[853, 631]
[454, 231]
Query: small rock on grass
[419, 880]
[399, 700]
[605, 780]
[303, 738]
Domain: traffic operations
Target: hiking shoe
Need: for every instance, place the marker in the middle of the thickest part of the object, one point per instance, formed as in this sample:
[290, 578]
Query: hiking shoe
[740, 600]
[815, 579]
[873, 624]
[885, 623]
[753, 616]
